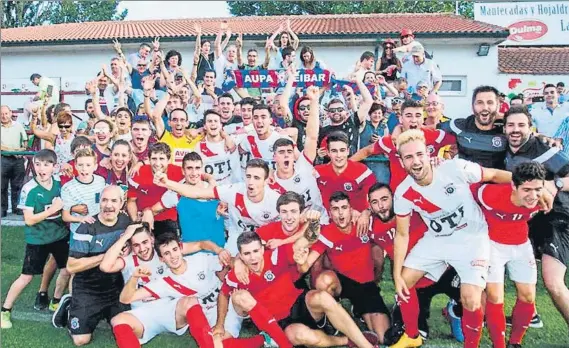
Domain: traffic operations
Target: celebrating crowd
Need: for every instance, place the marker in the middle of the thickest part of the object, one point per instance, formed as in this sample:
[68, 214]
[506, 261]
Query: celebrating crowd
[192, 199]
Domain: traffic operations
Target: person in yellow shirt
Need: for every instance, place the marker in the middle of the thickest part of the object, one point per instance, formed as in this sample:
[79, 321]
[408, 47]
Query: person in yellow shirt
[434, 108]
[180, 139]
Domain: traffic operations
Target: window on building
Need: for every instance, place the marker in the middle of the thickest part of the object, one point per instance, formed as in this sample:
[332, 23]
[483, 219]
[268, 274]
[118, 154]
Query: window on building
[453, 85]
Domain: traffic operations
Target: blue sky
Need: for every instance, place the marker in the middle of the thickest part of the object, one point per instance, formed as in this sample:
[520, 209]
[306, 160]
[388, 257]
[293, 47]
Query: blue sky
[140, 10]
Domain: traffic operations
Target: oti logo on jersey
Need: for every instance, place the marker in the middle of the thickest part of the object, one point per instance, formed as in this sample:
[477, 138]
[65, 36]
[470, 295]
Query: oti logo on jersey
[269, 276]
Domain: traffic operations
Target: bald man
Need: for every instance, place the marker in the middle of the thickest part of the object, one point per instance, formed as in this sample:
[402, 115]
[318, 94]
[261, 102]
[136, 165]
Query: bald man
[95, 293]
[434, 107]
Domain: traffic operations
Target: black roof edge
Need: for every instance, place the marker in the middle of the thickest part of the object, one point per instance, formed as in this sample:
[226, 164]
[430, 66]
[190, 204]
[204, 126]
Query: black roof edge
[491, 35]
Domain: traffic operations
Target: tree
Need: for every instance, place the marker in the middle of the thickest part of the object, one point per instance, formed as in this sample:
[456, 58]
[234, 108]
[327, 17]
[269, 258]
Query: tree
[275, 8]
[29, 13]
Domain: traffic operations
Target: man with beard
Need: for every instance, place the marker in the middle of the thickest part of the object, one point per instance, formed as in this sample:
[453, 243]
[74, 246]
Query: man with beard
[187, 296]
[226, 106]
[382, 234]
[290, 316]
[550, 232]
[218, 151]
[300, 110]
[298, 177]
[250, 204]
[95, 293]
[143, 194]
[411, 118]
[442, 197]
[260, 144]
[352, 276]
[141, 135]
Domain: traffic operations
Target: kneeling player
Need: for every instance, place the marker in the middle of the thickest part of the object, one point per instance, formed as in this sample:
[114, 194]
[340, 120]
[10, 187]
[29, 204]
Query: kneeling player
[507, 210]
[187, 290]
[350, 256]
[274, 303]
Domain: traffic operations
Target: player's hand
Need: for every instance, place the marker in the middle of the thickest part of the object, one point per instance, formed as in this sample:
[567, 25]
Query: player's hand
[56, 204]
[355, 216]
[313, 93]
[160, 179]
[81, 209]
[322, 152]
[141, 271]
[130, 230]
[87, 220]
[546, 201]
[148, 217]
[135, 169]
[274, 243]
[241, 271]
[374, 138]
[300, 254]
[401, 288]
[362, 224]
[106, 163]
[218, 330]
[222, 209]
[225, 257]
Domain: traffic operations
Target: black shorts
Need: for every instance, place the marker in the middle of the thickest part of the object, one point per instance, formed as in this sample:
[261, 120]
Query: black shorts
[36, 256]
[557, 245]
[166, 226]
[86, 311]
[299, 314]
[365, 297]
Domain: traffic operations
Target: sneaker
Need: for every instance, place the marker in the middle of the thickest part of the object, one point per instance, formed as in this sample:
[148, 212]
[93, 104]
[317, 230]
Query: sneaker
[53, 306]
[370, 336]
[535, 322]
[6, 320]
[455, 321]
[423, 328]
[269, 342]
[408, 342]
[42, 301]
[60, 316]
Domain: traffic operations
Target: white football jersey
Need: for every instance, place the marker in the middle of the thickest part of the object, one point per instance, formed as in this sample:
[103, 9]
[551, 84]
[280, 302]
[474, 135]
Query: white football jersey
[262, 148]
[218, 162]
[446, 205]
[199, 280]
[157, 267]
[304, 183]
[245, 215]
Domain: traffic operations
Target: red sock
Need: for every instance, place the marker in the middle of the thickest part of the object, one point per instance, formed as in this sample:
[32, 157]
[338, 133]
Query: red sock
[521, 317]
[496, 323]
[250, 342]
[472, 327]
[125, 337]
[266, 322]
[199, 327]
[410, 313]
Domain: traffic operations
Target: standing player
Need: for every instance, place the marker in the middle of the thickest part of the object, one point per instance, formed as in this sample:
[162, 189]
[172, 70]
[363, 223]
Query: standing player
[142, 193]
[350, 257]
[445, 203]
[411, 118]
[275, 304]
[218, 151]
[250, 204]
[298, 177]
[45, 232]
[507, 210]
[95, 293]
[343, 174]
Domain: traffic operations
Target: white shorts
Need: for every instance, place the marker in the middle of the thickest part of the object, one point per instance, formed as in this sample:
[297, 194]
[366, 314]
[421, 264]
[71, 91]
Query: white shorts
[157, 317]
[232, 323]
[517, 259]
[469, 258]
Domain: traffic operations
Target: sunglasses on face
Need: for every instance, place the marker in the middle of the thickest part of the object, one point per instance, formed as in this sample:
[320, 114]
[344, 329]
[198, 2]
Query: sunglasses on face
[304, 107]
[423, 87]
[403, 37]
[333, 110]
[388, 47]
[64, 126]
[397, 101]
[141, 65]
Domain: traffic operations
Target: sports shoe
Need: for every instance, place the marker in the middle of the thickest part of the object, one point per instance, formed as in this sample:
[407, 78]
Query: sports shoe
[454, 320]
[42, 301]
[6, 320]
[535, 322]
[423, 328]
[61, 314]
[370, 336]
[408, 342]
[53, 306]
[269, 342]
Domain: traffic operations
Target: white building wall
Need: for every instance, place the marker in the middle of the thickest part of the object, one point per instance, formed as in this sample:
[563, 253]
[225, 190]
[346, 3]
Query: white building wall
[74, 65]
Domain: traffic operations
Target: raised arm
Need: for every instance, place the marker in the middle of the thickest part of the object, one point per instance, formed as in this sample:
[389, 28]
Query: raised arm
[267, 60]
[365, 106]
[91, 86]
[130, 293]
[295, 40]
[239, 46]
[161, 179]
[496, 176]
[313, 123]
[76, 265]
[363, 153]
[112, 261]
[285, 96]
[40, 133]
[274, 36]
[197, 51]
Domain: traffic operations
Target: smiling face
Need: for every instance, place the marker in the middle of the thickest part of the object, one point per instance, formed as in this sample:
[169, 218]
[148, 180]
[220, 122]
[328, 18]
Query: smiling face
[247, 114]
[206, 48]
[212, 125]
[285, 40]
[86, 166]
[290, 217]
[159, 162]
[231, 53]
[517, 130]
[485, 108]
[178, 122]
[173, 61]
[304, 109]
[341, 213]
[123, 121]
[255, 181]
[529, 193]
[262, 121]
[434, 106]
[142, 245]
[5, 115]
[209, 78]
[226, 107]
[376, 116]
[415, 159]
[171, 255]
[369, 78]
[120, 157]
[252, 255]
[252, 58]
[44, 170]
[65, 129]
[193, 171]
[411, 118]
[336, 112]
[102, 134]
[338, 152]
[381, 204]
[550, 95]
[111, 203]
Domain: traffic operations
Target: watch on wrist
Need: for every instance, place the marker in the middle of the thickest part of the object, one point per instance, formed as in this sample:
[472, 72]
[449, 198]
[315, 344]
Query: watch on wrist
[559, 184]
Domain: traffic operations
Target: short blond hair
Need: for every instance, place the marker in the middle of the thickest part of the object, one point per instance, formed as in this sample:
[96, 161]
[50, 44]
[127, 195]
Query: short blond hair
[86, 152]
[409, 136]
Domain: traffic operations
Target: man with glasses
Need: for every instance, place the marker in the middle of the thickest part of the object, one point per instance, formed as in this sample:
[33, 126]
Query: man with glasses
[434, 108]
[393, 118]
[548, 117]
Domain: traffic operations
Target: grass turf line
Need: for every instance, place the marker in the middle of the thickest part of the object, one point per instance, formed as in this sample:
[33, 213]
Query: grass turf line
[37, 332]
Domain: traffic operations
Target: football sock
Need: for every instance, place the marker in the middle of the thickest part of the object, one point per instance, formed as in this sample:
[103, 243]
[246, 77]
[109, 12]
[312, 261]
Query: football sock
[410, 313]
[266, 322]
[199, 327]
[472, 327]
[256, 341]
[496, 323]
[521, 318]
[125, 337]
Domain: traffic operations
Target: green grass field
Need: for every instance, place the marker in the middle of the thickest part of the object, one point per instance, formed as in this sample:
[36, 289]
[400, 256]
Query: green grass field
[34, 329]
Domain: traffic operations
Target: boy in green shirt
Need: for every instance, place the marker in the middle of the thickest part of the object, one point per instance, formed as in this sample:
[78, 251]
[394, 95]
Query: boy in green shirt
[45, 231]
